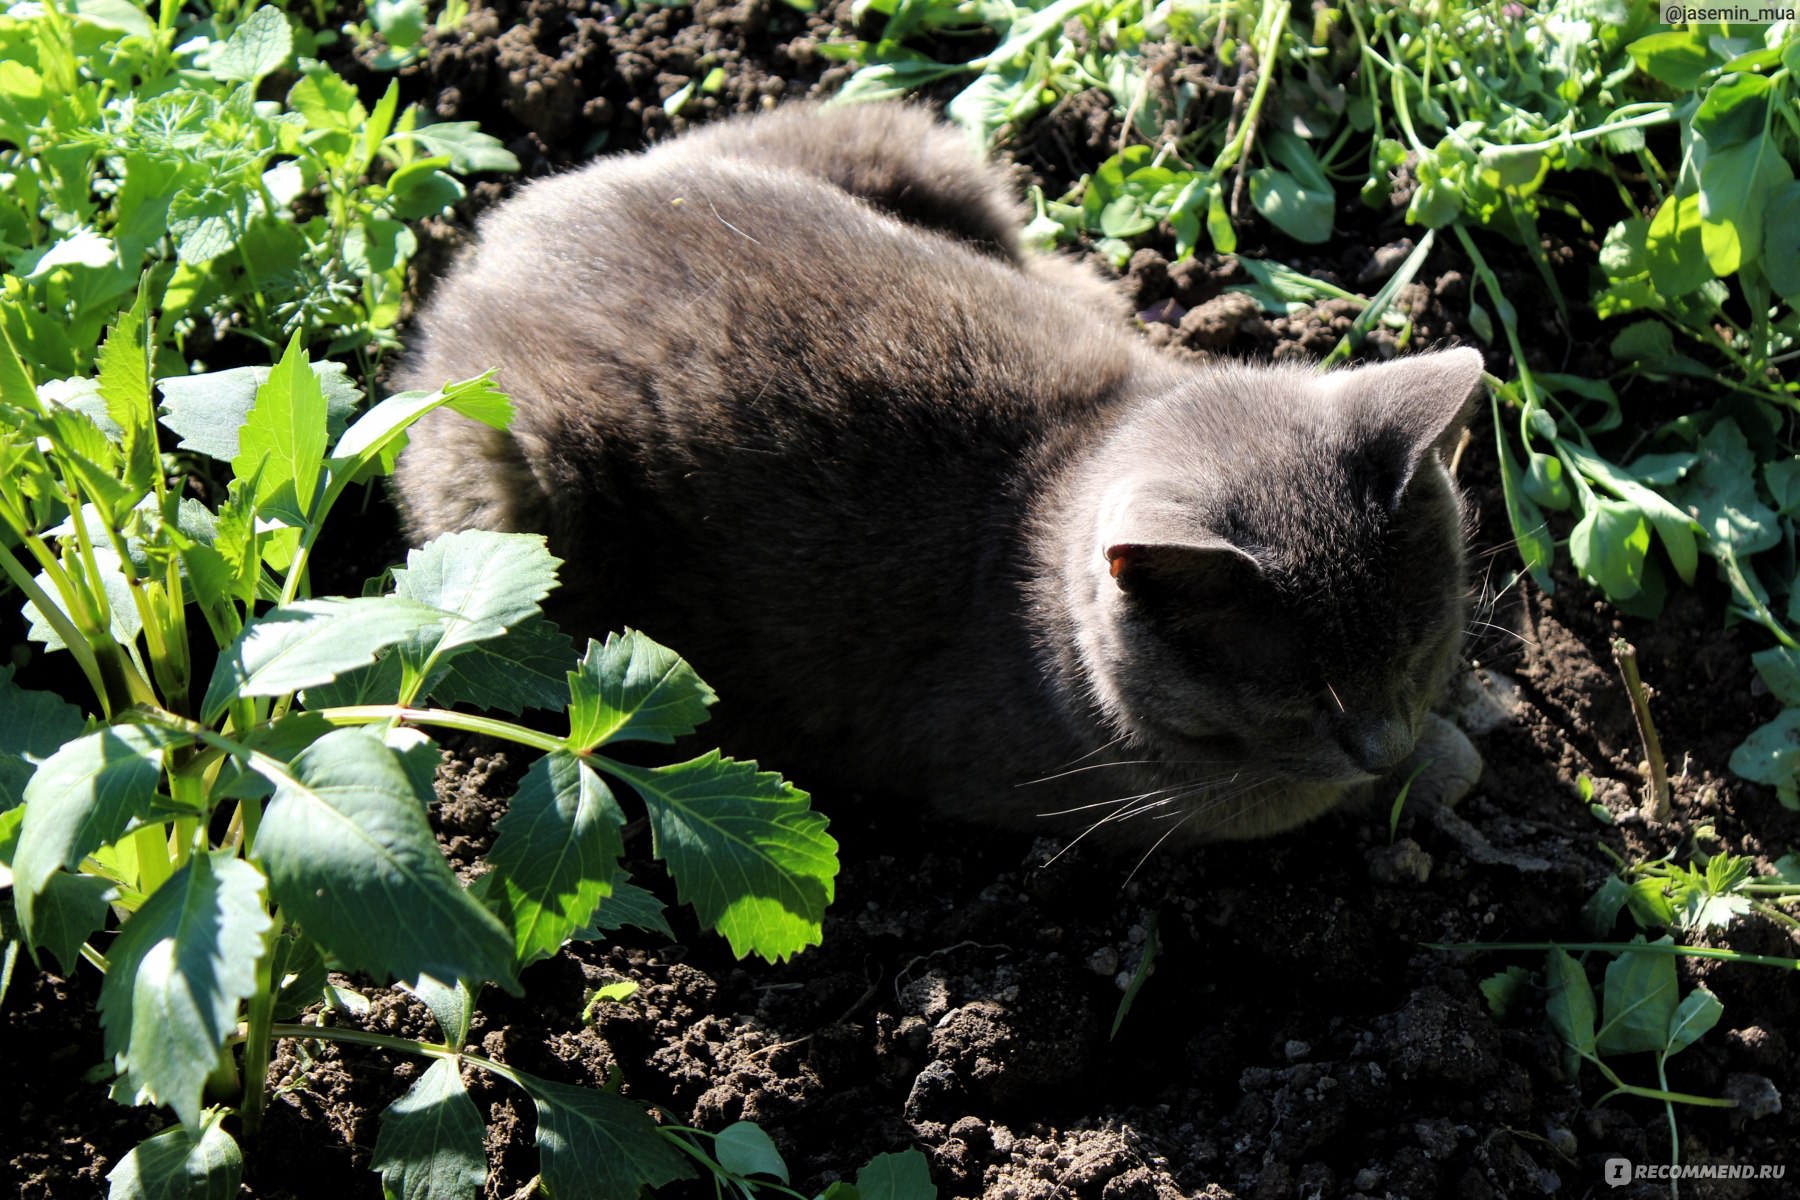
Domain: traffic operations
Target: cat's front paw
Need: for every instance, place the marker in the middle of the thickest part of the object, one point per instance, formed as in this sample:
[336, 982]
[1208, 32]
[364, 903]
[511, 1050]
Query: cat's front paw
[1452, 764]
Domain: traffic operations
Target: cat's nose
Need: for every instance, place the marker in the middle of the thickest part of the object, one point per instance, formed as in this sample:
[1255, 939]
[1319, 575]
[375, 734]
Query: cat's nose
[1380, 744]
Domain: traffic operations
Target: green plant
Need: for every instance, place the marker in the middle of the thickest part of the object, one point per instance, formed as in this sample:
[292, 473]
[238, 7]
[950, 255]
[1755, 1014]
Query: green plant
[134, 143]
[212, 844]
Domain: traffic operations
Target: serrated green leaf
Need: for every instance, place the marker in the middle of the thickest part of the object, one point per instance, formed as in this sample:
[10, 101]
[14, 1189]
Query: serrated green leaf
[282, 442]
[1639, 1003]
[632, 689]
[527, 668]
[468, 149]
[327, 102]
[1698, 1012]
[310, 642]
[486, 583]
[207, 223]
[258, 47]
[82, 798]
[33, 726]
[744, 1149]
[179, 969]
[1503, 990]
[69, 909]
[902, 1176]
[206, 411]
[179, 1164]
[124, 383]
[351, 856]
[430, 1146]
[555, 853]
[744, 848]
[593, 1145]
[628, 905]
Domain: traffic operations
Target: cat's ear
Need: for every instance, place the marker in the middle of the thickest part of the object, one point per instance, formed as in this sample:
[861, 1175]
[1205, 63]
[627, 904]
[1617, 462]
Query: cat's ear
[1203, 575]
[1412, 406]
[1154, 540]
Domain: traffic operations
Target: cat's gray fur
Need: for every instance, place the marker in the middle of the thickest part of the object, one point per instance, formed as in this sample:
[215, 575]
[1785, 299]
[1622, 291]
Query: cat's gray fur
[930, 516]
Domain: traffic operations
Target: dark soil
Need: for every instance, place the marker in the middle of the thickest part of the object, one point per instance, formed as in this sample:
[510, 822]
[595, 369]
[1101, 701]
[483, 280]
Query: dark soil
[1298, 1036]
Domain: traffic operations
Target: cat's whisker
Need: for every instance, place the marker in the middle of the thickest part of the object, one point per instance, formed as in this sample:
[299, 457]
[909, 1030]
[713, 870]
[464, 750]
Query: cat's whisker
[1512, 633]
[1127, 762]
[1334, 696]
[1158, 842]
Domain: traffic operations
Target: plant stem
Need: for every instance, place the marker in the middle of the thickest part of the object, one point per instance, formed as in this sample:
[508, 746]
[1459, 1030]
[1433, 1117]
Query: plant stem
[1656, 789]
[369, 714]
[399, 1045]
[260, 1039]
[1759, 960]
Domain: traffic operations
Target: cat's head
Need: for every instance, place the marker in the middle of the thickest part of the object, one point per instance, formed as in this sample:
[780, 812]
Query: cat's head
[1268, 585]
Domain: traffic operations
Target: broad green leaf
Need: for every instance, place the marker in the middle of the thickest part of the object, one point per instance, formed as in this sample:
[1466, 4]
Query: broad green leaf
[527, 668]
[1300, 209]
[1675, 527]
[81, 799]
[207, 223]
[351, 856]
[1570, 1004]
[1678, 57]
[1601, 912]
[258, 47]
[902, 1176]
[1608, 546]
[593, 1145]
[1720, 493]
[179, 969]
[1698, 1012]
[298, 971]
[311, 642]
[1640, 1001]
[744, 1149]
[282, 443]
[1780, 670]
[1676, 254]
[69, 909]
[450, 1004]
[327, 102]
[744, 849]
[554, 856]
[380, 434]
[628, 905]
[423, 189]
[1733, 111]
[632, 689]
[1737, 186]
[120, 16]
[179, 1164]
[431, 1142]
[1781, 241]
[1771, 754]
[468, 149]
[206, 411]
[33, 726]
[486, 583]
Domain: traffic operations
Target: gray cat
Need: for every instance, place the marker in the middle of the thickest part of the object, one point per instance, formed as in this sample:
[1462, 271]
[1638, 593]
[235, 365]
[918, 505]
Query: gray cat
[921, 506]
